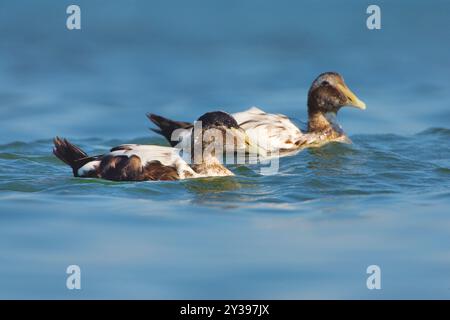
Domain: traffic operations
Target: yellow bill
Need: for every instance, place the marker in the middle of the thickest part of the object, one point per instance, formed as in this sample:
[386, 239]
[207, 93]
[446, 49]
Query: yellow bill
[352, 99]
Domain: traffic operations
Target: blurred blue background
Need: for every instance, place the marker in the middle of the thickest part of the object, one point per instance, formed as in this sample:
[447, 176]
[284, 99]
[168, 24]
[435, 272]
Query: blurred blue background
[309, 232]
[183, 58]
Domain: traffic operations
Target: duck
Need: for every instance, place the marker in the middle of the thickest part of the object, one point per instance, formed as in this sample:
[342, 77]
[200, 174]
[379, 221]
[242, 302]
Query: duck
[135, 162]
[276, 134]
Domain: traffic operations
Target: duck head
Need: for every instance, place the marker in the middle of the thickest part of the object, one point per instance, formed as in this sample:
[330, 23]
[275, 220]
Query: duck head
[329, 93]
[221, 132]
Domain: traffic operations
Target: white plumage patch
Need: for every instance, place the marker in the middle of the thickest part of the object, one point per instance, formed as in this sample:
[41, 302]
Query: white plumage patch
[147, 153]
[270, 131]
[166, 155]
[88, 167]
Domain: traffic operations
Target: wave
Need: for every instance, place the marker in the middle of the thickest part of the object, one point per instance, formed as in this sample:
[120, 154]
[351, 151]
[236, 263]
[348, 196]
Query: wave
[375, 164]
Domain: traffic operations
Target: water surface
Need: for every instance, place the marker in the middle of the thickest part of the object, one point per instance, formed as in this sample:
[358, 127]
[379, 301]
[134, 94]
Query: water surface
[308, 232]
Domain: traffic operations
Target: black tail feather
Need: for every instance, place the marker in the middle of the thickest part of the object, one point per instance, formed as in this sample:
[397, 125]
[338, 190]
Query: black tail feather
[70, 154]
[167, 126]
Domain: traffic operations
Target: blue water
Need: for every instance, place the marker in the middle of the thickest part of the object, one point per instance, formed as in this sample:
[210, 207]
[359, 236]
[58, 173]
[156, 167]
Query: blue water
[308, 232]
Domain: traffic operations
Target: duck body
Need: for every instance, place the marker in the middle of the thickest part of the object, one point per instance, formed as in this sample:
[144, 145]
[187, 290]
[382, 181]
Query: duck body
[276, 133]
[273, 131]
[128, 162]
[135, 162]
[279, 135]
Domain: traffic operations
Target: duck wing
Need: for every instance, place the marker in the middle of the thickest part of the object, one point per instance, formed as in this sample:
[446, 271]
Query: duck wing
[274, 132]
[133, 162]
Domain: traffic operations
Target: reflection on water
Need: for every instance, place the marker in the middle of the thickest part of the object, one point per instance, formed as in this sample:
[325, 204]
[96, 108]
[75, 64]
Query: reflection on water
[212, 185]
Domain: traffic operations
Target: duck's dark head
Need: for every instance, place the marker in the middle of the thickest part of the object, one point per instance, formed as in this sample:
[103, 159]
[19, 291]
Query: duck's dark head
[221, 130]
[218, 120]
[329, 93]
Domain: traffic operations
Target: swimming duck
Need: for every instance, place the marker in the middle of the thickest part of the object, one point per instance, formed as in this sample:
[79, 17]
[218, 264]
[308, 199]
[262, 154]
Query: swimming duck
[276, 133]
[133, 162]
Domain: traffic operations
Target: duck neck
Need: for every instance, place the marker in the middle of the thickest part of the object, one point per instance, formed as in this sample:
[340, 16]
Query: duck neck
[211, 166]
[323, 123]
[318, 122]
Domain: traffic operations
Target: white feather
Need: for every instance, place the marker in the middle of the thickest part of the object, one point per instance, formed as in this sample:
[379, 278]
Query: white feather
[166, 155]
[270, 131]
[88, 167]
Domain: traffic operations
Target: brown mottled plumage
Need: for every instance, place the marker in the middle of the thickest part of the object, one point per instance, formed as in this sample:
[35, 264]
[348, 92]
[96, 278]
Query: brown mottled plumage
[113, 166]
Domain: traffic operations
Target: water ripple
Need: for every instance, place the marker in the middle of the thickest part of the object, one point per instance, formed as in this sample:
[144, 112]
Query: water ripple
[373, 164]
